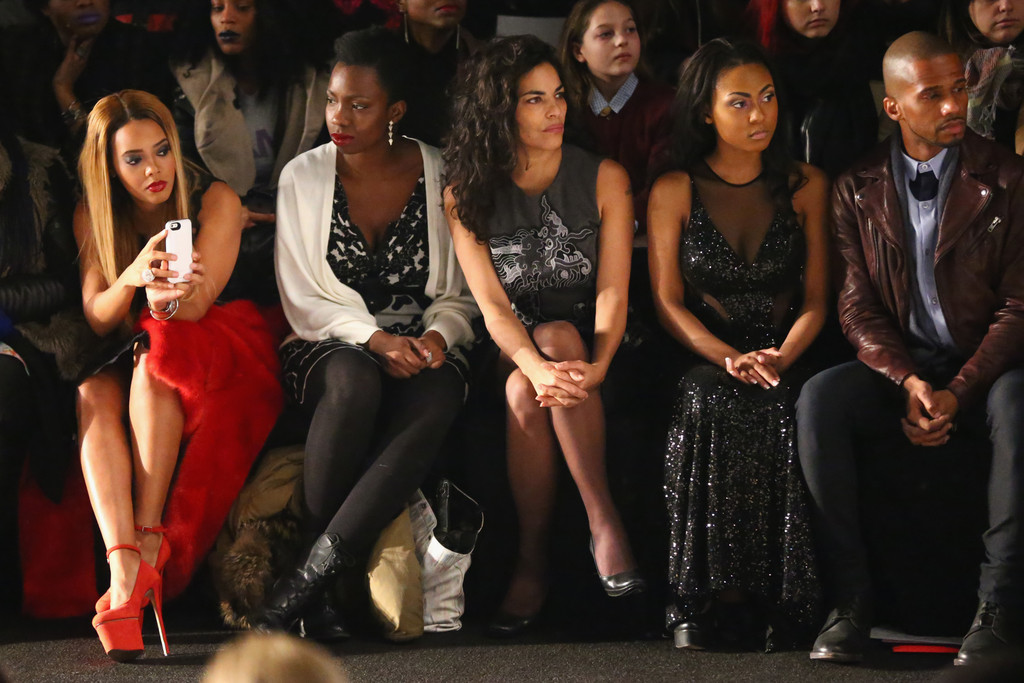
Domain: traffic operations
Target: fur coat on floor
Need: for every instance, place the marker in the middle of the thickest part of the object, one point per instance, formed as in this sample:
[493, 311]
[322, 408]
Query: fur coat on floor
[225, 368]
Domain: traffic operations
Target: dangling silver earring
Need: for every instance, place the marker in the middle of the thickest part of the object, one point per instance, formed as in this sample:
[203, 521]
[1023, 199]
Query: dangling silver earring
[458, 35]
[405, 23]
[391, 133]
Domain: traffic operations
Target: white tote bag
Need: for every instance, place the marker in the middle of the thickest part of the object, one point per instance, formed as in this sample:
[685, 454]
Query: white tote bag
[443, 569]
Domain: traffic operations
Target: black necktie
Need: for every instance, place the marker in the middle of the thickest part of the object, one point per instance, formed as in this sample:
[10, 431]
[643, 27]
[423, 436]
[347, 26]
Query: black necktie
[925, 186]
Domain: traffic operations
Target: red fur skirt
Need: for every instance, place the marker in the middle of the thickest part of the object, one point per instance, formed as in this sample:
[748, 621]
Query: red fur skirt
[225, 368]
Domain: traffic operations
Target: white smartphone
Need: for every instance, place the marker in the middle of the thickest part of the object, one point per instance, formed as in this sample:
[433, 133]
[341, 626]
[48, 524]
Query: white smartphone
[179, 243]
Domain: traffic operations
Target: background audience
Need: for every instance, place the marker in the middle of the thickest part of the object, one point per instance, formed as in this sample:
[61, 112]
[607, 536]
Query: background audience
[251, 78]
[38, 294]
[438, 45]
[58, 69]
[627, 117]
[825, 61]
[987, 34]
[276, 658]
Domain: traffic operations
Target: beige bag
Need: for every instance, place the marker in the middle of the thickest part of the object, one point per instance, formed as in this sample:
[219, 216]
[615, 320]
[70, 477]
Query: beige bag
[394, 584]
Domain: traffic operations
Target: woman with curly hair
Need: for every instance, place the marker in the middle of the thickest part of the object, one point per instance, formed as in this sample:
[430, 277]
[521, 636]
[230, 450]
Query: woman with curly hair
[543, 232]
[987, 34]
[738, 268]
[251, 79]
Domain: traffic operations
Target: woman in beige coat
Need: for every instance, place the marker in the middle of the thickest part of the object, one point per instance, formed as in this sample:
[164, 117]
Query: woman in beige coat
[251, 79]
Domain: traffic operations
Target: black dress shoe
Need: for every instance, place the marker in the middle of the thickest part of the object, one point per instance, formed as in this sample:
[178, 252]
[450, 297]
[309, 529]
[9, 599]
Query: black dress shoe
[994, 636]
[621, 584]
[690, 635]
[844, 637]
[505, 625]
[322, 622]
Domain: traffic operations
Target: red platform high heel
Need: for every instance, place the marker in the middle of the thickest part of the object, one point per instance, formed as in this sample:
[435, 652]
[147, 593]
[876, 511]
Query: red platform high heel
[163, 556]
[120, 628]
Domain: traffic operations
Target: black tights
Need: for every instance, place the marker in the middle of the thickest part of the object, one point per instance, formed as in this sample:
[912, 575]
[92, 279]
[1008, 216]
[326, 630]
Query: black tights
[372, 440]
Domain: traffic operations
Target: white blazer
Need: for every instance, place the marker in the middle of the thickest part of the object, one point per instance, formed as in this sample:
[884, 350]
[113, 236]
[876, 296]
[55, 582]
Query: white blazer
[316, 304]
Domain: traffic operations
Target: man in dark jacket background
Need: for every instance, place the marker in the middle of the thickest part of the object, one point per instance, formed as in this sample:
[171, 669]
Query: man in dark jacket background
[930, 228]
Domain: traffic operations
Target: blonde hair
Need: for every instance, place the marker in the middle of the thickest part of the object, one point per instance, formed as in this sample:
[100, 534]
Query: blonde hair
[273, 658]
[113, 243]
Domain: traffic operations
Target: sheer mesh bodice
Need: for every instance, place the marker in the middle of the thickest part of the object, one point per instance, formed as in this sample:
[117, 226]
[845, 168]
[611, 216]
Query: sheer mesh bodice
[741, 259]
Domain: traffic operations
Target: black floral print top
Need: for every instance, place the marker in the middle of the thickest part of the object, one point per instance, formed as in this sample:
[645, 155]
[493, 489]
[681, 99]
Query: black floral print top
[391, 278]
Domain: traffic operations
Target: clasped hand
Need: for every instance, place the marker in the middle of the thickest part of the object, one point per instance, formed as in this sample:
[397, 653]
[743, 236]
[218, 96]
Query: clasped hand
[761, 367]
[564, 384]
[930, 413]
[159, 292]
[404, 357]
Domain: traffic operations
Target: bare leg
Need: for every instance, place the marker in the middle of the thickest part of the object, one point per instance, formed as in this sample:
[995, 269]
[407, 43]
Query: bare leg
[157, 421]
[581, 435]
[532, 475]
[107, 468]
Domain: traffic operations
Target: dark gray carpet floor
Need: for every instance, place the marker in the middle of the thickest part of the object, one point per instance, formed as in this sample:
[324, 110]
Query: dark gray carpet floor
[69, 651]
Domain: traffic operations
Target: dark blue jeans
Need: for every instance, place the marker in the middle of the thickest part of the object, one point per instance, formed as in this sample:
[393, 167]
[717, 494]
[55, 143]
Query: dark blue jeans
[850, 404]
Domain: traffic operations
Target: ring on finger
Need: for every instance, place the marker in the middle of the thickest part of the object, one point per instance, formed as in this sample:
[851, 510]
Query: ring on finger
[148, 275]
[430, 357]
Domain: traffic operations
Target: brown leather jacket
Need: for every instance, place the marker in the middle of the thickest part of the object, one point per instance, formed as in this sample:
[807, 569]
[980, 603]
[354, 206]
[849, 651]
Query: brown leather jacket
[979, 265]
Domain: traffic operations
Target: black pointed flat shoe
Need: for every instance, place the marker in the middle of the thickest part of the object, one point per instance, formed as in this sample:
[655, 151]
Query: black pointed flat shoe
[505, 625]
[619, 585]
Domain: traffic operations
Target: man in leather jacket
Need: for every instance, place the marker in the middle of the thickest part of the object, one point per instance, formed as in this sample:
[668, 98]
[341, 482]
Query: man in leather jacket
[930, 228]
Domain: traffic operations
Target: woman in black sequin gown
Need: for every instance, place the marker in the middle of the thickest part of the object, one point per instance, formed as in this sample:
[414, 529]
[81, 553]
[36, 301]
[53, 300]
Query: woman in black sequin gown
[738, 258]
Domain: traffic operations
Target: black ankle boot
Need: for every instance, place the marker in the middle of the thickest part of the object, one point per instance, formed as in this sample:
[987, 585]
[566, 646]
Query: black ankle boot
[321, 621]
[294, 590]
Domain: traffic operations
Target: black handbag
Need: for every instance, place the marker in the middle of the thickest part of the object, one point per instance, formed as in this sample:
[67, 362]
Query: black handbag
[459, 518]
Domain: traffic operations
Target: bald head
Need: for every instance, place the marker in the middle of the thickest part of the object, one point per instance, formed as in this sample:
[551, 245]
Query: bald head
[907, 49]
[925, 93]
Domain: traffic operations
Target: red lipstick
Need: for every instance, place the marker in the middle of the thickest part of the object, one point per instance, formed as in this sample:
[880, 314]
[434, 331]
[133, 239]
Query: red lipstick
[158, 186]
[340, 139]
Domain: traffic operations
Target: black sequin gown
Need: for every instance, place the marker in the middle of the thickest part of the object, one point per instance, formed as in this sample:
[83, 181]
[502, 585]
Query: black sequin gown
[734, 491]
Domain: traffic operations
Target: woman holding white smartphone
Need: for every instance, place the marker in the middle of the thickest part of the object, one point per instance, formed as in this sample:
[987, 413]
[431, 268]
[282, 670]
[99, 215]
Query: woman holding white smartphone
[135, 183]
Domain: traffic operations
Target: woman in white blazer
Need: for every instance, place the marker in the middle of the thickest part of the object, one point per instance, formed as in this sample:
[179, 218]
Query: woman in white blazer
[379, 308]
